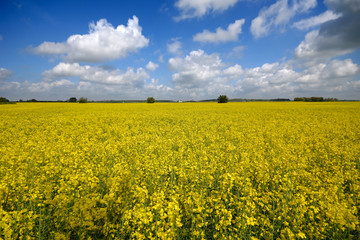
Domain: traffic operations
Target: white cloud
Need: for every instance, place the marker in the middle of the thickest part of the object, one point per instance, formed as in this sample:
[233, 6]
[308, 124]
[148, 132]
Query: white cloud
[151, 66]
[198, 8]
[5, 73]
[268, 81]
[1, 38]
[94, 82]
[195, 70]
[334, 72]
[278, 15]
[221, 35]
[341, 69]
[50, 48]
[8, 87]
[153, 88]
[174, 46]
[328, 79]
[119, 92]
[63, 89]
[317, 20]
[130, 78]
[65, 70]
[196, 76]
[55, 90]
[331, 79]
[48, 86]
[334, 38]
[200, 75]
[235, 71]
[104, 42]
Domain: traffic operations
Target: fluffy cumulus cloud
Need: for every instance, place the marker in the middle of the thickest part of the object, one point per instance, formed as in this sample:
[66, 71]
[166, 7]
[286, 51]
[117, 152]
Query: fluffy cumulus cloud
[174, 46]
[200, 75]
[203, 75]
[157, 90]
[94, 82]
[5, 73]
[268, 81]
[48, 86]
[65, 70]
[221, 35]
[129, 78]
[278, 15]
[336, 37]
[196, 76]
[151, 66]
[104, 42]
[333, 75]
[198, 8]
[195, 70]
[234, 71]
[329, 79]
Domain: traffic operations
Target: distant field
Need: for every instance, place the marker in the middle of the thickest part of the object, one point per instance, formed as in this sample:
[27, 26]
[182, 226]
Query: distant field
[256, 170]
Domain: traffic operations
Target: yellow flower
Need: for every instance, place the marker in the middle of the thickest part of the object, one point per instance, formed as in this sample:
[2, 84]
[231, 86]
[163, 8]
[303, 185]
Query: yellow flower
[180, 171]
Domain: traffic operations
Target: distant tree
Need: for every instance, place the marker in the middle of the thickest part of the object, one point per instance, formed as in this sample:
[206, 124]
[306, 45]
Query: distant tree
[72, 99]
[4, 100]
[331, 99]
[83, 100]
[150, 100]
[317, 99]
[280, 100]
[32, 100]
[222, 99]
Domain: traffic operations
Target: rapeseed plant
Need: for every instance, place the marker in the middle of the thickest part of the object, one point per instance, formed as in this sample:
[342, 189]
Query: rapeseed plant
[180, 171]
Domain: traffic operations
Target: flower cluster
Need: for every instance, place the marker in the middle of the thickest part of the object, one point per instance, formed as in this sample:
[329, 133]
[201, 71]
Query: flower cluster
[180, 171]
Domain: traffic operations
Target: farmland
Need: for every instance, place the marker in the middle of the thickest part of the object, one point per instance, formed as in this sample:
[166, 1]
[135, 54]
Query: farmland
[180, 171]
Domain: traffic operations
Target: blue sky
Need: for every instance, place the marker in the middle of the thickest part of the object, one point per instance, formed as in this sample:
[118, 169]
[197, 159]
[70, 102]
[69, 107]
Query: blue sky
[179, 49]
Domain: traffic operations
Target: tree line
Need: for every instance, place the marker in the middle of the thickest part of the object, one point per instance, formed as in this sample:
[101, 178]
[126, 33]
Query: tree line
[220, 99]
[315, 99]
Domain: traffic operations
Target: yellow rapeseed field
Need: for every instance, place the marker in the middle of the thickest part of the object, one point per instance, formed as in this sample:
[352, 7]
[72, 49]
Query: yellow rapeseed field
[256, 170]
